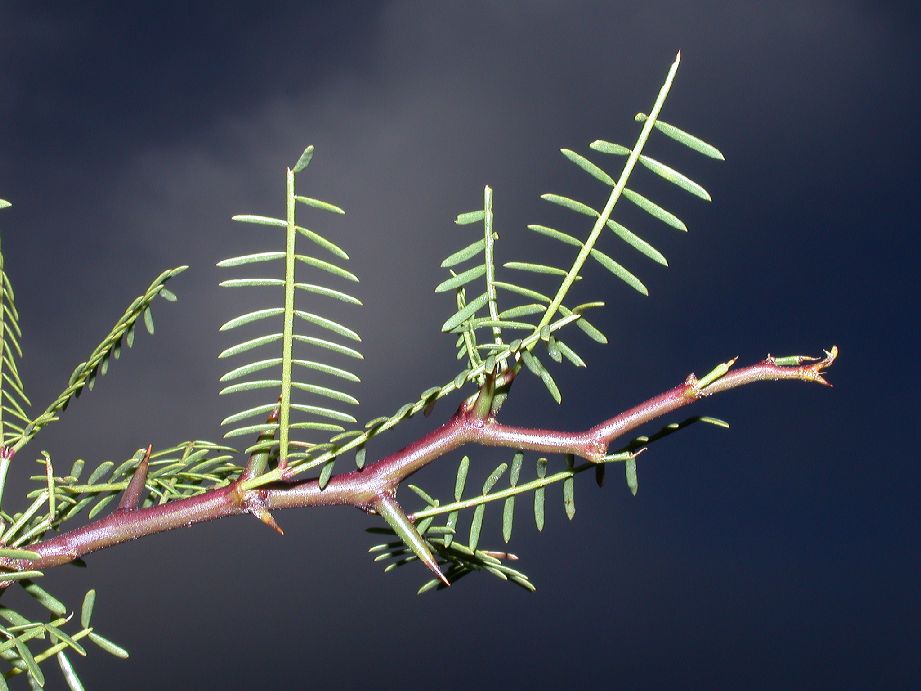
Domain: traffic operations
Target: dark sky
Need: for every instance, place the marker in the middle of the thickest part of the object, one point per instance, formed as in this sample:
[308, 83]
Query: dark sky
[783, 553]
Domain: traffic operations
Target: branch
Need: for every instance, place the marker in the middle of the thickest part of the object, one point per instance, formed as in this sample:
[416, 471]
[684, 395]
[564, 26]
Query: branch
[364, 488]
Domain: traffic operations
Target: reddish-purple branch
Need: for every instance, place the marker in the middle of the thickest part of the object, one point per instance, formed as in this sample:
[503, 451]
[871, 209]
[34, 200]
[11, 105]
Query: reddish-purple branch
[363, 488]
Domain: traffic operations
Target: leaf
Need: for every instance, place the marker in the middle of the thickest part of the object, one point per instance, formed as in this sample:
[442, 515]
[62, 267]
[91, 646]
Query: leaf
[630, 471]
[689, 140]
[619, 271]
[570, 204]
[108, 646]
[539, 495]
[609, 148]
[252, 317]
[44, 598]
[327, 267]
[570, 354]
[569, 500]
[637, 243]
[535, 366]
[465, 313]
[556, 235]
[328, 324]
[461, 279]
[508, 510]
[320, 241]
[148, 323]
[254, 258]
[674, 177]
[326, 473]
[304, 160]
[461, 478]
[29, 660]
[464, 254]
[70, 674]
[588, 167]
[327, 292]
[259, 220]
[14, 553]
[7, 576]
[470, 217]
[476, 525]
[535, 268]
[654, 209]
[317, 204]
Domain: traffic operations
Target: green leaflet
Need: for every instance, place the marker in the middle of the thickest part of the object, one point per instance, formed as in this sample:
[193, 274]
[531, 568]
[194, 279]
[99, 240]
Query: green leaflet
[630, 470]
[470, 217]
[303, 160]
[259, 220]
[315, 263]
[556, 235]
[619, 271]
[535, 268]
[328, 324]
[464, 254]
[637, 243]
[252, 317]
[569, 500]
[254, 258]
[465, 313]
[655, 210]
[535, 366]
[279, 393]
[319, 240]
[570, 204]
[272, 362]
[682, 137]
[460, 279]
[317, 204]
[676, 178]
[589, 167]
[539, 495]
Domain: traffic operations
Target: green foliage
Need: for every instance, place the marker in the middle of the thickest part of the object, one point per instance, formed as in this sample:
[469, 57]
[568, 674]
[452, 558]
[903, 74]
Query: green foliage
[84, 374]
[458, 559]
[13, 400]
[540, 308]
[301, 420]
[27, 640]
[283, 375]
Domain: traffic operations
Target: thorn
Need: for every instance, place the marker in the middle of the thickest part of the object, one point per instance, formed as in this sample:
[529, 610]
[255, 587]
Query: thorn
[387, 507]
[131, 499]
[267, 518]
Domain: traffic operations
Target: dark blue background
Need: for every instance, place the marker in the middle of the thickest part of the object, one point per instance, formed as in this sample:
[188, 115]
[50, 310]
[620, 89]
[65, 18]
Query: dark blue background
[782, 553]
